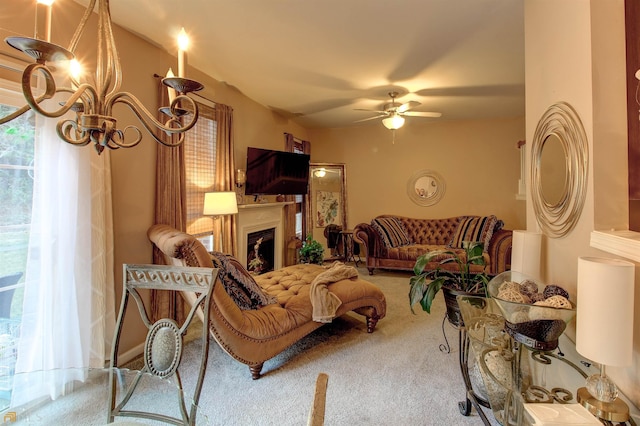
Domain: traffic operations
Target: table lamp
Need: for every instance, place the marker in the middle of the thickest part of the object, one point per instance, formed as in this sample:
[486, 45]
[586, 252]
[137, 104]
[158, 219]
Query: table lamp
[217, 204]
[604, 330]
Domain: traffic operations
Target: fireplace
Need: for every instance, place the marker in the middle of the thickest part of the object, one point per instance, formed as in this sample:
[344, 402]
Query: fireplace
[256, 221]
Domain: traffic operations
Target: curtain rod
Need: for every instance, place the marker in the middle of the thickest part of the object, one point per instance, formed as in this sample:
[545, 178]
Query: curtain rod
[192, 93]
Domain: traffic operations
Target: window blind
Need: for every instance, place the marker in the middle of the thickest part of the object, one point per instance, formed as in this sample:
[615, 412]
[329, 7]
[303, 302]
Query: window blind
[200, 168]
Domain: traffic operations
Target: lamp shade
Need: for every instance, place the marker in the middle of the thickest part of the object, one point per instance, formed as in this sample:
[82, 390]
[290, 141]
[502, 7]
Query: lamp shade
[525, 253]
[220, 203]
[604, 329]
[393, 122]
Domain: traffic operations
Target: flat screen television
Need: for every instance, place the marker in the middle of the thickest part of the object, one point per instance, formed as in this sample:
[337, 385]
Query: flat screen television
[272, 172]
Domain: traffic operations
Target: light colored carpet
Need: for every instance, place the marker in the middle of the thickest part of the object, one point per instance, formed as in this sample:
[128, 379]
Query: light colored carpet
[395, 376]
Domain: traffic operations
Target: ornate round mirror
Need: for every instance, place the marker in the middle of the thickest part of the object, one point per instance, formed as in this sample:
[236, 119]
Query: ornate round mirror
[425, 187]
[553, 173]
[560, 157]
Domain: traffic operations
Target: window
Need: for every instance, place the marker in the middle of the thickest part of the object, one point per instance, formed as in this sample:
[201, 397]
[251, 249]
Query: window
[16, 196]
[200, 167]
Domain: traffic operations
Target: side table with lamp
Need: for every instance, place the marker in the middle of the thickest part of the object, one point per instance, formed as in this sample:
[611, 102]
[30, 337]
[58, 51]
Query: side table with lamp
[529, 371]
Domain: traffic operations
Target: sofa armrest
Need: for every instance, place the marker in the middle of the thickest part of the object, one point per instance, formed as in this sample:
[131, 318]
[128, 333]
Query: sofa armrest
[365, 234]
[500, 251]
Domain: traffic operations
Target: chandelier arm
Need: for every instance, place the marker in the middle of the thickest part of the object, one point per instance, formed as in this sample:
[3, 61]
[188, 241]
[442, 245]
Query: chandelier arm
[148, 120]
[50, 91]
[118, 138]
[85, 94]
[109, 65]
[64, 128]
[80, 29]
[17, 113]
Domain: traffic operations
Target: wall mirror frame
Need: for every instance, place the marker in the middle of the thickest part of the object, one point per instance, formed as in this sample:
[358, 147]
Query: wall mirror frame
[558, 202]
[426, 187]
[326, 202]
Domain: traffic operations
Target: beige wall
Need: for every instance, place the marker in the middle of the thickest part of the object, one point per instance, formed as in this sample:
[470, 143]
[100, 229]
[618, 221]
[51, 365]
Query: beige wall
[478, 160]
[575, 53]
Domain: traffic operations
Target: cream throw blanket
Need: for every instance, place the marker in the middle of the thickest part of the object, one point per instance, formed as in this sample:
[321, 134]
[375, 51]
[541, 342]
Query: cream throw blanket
[324, 303]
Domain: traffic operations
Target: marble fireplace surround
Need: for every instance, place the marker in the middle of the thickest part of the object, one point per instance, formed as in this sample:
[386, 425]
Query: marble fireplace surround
[258, 217]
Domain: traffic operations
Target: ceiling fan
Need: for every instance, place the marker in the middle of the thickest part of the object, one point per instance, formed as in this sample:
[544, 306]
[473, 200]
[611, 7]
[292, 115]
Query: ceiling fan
[394, 113]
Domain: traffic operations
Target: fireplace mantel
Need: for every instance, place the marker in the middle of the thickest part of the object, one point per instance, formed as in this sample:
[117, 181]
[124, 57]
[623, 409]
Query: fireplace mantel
[258, 217]
[264, 205]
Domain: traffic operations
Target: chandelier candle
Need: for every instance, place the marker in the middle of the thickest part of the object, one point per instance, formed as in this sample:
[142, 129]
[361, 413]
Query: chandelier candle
[183, 44]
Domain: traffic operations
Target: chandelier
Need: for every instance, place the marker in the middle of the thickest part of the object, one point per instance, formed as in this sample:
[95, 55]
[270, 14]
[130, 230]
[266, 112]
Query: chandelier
[93, 103]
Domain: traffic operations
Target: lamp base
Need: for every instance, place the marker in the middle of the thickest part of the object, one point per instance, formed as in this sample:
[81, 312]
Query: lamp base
[616, 411]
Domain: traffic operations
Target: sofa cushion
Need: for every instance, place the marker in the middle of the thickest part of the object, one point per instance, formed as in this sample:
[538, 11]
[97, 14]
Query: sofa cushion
[239, 284]
[474, 229]
[392, 231]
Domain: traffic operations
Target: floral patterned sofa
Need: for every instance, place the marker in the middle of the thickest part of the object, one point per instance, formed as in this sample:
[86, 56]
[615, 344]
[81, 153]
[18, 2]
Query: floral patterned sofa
[395, 242]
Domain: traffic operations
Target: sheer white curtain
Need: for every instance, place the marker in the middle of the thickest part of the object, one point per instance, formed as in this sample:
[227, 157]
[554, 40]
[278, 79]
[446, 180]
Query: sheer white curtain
[68, 309]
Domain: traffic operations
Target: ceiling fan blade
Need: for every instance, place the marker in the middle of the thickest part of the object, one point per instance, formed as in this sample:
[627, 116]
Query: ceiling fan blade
[407, 106]
[369, 110]
[422, 114]
[371, 118]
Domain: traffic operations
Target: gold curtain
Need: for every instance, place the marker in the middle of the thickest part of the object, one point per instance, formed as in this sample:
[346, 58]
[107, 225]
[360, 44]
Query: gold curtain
[225, 174]
[170, 209]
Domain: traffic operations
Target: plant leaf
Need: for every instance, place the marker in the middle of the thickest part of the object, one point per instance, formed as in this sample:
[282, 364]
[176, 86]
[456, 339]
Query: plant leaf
[432, 289]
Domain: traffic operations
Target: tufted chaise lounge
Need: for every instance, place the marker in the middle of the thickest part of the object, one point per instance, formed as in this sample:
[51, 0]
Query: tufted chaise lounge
[257, 335]
[426, 235]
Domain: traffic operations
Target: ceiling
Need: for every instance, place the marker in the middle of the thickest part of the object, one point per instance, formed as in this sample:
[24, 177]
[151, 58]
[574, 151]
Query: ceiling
[316, 60]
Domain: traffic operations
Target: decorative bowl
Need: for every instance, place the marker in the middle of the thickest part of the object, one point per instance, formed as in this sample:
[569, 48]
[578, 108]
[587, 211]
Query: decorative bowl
[536, 326]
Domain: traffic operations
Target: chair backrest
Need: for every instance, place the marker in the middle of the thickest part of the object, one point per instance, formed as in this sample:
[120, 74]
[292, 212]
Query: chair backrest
[316, 414]
[164, 342]
[6, 295]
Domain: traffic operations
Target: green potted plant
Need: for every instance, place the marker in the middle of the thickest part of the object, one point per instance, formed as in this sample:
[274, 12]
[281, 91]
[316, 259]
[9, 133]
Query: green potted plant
[311, 251]
[425, 285]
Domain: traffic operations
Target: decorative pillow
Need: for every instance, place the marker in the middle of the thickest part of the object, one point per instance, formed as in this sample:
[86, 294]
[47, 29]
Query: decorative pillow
[474, 229]
[239, 283]
[392, 231]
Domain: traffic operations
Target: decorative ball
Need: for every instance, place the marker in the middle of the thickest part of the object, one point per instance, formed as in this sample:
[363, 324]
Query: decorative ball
[513, 295]
[528, 287]
[537, 297]
[556, 301]
[552, 290]
[509, 285]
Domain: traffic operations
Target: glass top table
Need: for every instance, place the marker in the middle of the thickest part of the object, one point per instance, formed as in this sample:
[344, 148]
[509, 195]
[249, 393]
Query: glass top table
[83, 398]
[503, 374]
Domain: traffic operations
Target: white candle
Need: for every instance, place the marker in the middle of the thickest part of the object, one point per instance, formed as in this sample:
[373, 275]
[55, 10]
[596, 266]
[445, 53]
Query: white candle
[47, 25]
[170, 91]
[183, 43]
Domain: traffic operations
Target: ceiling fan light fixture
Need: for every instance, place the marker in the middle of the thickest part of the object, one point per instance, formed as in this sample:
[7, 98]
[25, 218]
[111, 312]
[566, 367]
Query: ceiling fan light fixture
[393, 122]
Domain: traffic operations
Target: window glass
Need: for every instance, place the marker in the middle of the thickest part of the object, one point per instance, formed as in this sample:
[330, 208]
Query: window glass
[16, 198]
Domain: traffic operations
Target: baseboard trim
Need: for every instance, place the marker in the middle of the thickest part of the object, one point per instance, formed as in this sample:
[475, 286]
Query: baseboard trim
[131, 354]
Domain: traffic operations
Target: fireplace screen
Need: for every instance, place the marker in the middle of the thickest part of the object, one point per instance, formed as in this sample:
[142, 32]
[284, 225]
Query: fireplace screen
[260, 251]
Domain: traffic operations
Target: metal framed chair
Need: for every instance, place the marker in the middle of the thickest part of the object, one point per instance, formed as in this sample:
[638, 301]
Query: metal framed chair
[7, 288]
[164, 342]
